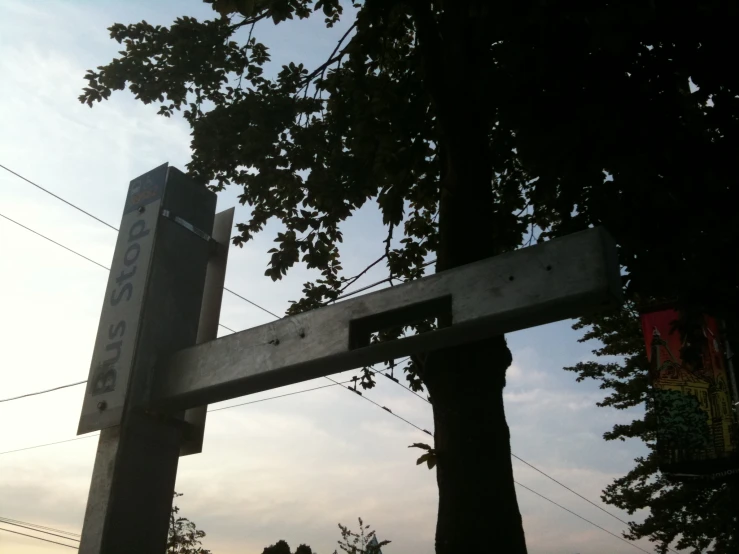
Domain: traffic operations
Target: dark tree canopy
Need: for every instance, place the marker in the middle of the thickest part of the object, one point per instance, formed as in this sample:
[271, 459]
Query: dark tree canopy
[476, 127]
[281, 547]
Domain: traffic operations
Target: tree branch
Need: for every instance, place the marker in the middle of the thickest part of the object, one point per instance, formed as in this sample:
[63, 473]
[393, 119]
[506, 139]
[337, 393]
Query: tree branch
[250, 20]
[331, 59]
[354, 279]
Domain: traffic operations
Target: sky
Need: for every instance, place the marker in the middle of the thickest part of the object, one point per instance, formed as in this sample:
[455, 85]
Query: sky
[288, 468]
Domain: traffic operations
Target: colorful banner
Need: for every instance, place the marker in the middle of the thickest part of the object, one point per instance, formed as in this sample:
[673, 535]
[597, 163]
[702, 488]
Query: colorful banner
[696, 430]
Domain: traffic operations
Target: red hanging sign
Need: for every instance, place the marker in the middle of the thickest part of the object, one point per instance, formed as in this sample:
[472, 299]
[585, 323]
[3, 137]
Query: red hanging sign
[696, 427]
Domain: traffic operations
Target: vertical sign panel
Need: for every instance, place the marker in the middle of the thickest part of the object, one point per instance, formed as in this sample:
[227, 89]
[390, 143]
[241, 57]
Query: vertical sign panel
[113, 355]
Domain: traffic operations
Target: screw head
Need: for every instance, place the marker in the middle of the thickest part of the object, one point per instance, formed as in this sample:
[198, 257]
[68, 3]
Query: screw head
[102, 405]
[142, 209]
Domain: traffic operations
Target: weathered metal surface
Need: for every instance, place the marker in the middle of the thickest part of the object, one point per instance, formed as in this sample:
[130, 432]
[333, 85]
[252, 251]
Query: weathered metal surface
[210, 314]
[132, 484]
[563, 278]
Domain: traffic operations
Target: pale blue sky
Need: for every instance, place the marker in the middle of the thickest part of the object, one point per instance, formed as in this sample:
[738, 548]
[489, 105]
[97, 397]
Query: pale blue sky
[289, 468]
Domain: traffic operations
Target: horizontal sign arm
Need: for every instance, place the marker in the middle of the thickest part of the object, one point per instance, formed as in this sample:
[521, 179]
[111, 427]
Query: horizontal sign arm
[559, 279]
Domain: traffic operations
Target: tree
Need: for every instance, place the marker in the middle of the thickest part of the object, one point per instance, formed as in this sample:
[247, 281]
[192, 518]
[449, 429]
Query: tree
[473, 125]
[701, 516]
[363, 542]
[184, 537]
[281, 547]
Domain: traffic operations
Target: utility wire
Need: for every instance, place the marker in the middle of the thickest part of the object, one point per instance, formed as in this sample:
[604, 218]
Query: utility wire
[375, 284]
[105, 268]
[2, 520]
[58, 197]
[76, 207]
[43, 391]
[569, 489]
[39, 526]
[401, 385]
[49, 444]
[39, 538]
[380, 406]
[279, 396]
[582, 518]
[226, 328]
[108, 269]
[252, 303]
[209, 411]
[55, 242]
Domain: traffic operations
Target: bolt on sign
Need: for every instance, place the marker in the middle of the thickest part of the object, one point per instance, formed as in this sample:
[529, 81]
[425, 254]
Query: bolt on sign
[696, 425]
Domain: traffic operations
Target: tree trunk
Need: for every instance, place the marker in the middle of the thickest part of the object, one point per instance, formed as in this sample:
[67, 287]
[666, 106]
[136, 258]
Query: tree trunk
[478, 511]
[477, 498]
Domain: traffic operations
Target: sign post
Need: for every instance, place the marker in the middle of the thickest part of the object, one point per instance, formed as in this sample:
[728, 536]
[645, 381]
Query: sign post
[153, 370]
[151, 310]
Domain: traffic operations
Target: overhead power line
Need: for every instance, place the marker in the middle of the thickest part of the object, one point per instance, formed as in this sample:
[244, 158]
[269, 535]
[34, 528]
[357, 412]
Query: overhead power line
[252, 303]
[39, 526]
[226, 328]
[380, 406]
[9, 522]
[569, 489]
[58, 197]
[400, 384]
[278, 396]
[76, 207]
[209, 411]
[55, 242]
[43, 391]
[38, 538]
[49, 444]
[582, 518]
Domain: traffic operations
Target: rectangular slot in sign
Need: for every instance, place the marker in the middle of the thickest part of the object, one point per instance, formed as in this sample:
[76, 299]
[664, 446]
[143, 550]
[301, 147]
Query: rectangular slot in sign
[362, 329]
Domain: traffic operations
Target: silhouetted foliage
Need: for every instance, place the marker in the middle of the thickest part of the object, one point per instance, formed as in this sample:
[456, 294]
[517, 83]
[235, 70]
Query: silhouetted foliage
[362, 542]
[184, 537]
[281, 547]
